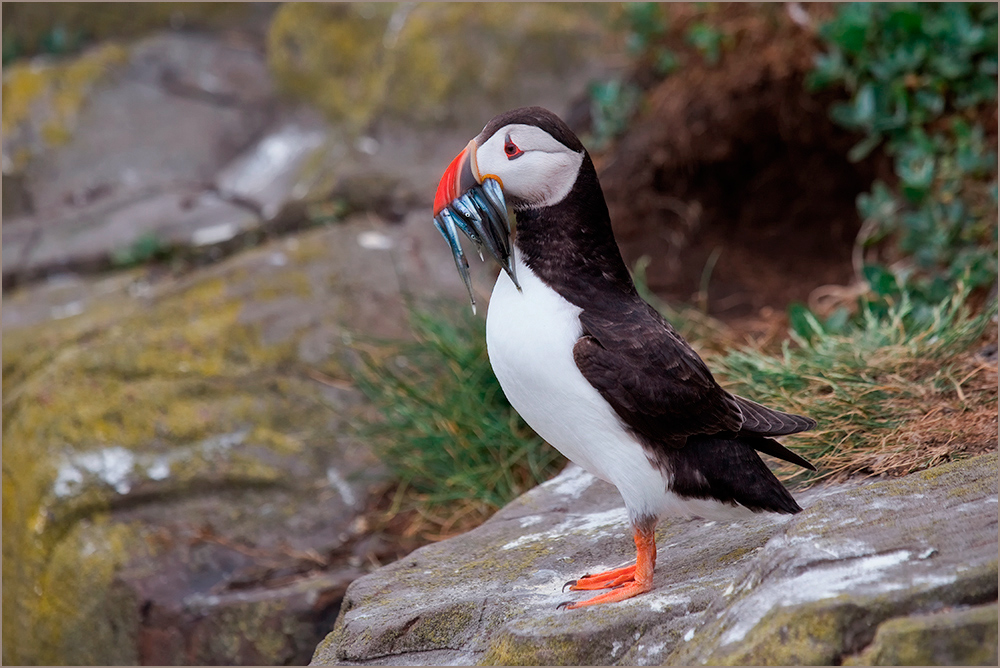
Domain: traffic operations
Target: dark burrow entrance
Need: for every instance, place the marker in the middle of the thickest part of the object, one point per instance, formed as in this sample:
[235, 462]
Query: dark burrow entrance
[736, 185]
[763, 228]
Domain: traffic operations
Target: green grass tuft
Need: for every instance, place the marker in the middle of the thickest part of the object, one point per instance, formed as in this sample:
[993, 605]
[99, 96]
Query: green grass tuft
[447, 432]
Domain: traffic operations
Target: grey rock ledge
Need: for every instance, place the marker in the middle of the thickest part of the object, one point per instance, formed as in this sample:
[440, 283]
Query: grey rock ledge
[809, 589]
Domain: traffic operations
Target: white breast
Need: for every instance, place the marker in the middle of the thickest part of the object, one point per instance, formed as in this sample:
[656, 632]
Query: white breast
[530, 337]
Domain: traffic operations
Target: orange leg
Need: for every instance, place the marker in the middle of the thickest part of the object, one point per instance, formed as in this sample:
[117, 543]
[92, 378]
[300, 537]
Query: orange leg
[623, 582]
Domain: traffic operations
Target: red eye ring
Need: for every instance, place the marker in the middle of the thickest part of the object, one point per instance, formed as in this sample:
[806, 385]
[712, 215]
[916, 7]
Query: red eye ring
[511, 150]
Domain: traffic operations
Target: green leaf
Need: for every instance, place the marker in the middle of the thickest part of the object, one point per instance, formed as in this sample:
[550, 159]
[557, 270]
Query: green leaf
[864, 105]
[863, 148]
[803, 322]
[839, 321]
[882, 282]
[850, 31]
[666, 62]
[707, 39]
[915, 167]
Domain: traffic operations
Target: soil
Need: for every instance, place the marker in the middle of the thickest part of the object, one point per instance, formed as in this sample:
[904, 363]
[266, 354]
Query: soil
[733, 179]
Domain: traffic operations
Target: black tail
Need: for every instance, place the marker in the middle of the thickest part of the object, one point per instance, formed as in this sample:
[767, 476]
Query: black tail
[763, 421]
[775, 449]
[730, 470]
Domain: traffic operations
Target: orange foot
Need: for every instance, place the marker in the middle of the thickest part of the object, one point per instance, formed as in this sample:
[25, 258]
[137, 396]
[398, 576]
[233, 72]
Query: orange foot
[605, 580]
[623, 582]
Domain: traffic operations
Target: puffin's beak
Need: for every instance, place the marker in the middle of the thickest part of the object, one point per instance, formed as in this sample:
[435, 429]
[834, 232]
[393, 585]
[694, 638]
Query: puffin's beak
[465, 201]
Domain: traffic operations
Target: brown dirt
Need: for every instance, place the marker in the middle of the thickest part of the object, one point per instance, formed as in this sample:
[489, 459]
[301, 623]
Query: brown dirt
[738, 160]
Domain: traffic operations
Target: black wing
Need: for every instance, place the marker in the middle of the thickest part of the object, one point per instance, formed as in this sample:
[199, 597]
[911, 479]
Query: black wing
[651, 376]
[660, 387]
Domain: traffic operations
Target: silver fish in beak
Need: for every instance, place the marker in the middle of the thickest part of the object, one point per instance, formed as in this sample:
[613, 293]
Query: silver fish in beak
[475, 206]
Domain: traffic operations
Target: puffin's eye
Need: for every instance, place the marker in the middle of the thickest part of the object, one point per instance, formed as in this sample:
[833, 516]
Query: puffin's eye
[511, 150]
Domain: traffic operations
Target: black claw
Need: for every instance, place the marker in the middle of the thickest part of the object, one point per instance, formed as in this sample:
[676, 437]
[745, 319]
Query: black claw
[564, 604]
[569, 584]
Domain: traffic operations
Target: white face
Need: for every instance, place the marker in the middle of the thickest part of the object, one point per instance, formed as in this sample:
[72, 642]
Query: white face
[531, 165]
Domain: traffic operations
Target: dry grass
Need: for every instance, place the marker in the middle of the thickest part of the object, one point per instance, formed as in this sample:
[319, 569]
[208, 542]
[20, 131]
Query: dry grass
[893, 396]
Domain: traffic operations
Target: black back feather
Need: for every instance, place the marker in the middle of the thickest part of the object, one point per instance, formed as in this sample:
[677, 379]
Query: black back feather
[728, 470]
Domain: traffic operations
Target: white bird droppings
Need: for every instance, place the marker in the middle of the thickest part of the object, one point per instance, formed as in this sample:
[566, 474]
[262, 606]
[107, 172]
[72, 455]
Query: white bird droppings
[374, 240]
[112, 465]
[158, 470]
[337, 482]
[661, 602]
[213, 234]
[576, 524]
[67, 310]
[813, 585]
[572, 483]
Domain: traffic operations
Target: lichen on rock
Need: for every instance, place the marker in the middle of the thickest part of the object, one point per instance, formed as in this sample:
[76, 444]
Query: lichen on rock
[966, 636]
[150, 439]
[422, 62]
[42, 100]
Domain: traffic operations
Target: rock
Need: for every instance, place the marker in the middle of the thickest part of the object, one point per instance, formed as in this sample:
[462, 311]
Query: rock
[433, 76]
[808, 589]
[431, 65]
[962, 637]
[180, 108]
[268, 173]
[180, 481]
[44, 101]
[178, 142]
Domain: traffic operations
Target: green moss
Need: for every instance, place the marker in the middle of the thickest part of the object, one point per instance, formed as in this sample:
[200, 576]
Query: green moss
[74, 613]
[259, 632]
[509, 650]
[823, 632]
[31, 27]
[959, 638]
[506, 566]
[736, 554]
[439, 629]
[521, 642]
[285, 284]
[811, 634]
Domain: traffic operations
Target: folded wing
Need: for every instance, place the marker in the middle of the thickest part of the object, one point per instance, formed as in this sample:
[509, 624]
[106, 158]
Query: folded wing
[664, 392]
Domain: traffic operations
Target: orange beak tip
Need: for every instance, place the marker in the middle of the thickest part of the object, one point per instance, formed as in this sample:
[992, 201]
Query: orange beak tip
[447, 189]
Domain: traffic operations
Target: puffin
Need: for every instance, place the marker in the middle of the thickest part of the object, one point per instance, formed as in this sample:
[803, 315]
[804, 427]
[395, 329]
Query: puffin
[596, 371]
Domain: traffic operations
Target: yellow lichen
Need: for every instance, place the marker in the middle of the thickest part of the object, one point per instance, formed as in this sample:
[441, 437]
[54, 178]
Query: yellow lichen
[168, 382]
[51, 95]
[359, 61]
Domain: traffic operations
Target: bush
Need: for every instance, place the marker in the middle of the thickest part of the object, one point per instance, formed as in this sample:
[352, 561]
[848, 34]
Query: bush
[919, 76]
